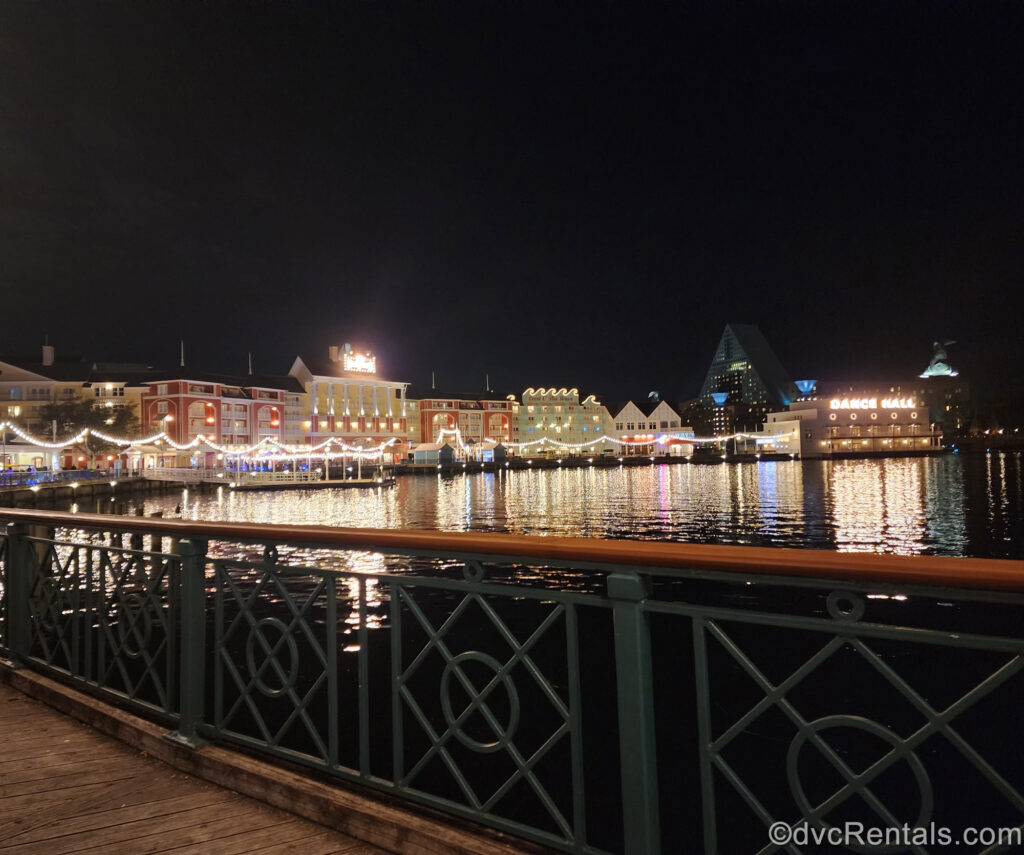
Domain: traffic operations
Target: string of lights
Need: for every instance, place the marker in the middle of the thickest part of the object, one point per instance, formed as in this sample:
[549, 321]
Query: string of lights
[344, 449]
[661, 439]
[162, 438]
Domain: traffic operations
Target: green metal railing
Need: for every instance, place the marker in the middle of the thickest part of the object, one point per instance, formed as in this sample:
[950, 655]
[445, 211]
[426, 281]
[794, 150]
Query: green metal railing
[592, 696]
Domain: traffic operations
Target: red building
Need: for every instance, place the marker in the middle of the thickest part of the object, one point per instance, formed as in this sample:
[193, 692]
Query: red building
[236, 412]
[477, 417]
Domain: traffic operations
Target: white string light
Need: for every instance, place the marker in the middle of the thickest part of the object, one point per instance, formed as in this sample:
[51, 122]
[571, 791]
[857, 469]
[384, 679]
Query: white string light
[39, 443]
[346, 450]
[659, 440]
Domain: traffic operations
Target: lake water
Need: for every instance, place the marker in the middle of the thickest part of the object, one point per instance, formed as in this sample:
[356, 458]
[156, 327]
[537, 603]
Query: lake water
[949, 505]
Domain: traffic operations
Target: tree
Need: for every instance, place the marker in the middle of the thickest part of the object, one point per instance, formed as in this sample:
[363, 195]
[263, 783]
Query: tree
[72, 417]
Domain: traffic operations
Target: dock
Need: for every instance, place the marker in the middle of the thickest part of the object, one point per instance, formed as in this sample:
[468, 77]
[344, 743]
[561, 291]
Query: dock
[68, 788]
[78, 775]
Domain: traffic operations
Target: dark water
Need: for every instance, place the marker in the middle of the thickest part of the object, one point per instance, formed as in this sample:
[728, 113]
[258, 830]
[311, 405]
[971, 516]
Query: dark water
[968, 505]
[949, 505]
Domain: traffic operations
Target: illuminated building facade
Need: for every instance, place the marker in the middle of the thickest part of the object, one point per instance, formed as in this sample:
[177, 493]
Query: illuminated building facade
[347, 399]
[745, 381]
[27, 385]
[650, 427]
[480, 416]
[559, 415]
[231, 411]
[854, 422]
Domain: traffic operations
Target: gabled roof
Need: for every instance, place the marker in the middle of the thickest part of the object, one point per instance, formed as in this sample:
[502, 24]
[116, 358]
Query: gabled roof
[645, 405]
[432, 446]
[242, 381]
[64, 369]
[320, 367]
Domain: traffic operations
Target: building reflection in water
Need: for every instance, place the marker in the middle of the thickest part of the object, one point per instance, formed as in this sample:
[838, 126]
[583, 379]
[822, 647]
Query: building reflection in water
[949, 505]
[905, 506]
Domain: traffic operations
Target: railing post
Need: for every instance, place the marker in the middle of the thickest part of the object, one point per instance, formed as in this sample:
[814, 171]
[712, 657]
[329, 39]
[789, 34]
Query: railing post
[635, 680]
[18, 584]
[192, 673]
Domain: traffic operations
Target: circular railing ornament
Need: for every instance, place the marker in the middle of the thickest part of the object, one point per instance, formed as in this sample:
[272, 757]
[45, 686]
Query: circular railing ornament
[885, 734]
[473, 571]
[502, 736]
[270, 648]
[845, 606]
[134, 624]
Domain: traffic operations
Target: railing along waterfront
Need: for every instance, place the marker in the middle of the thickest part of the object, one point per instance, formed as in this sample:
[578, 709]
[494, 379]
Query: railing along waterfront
[197, 475]
[22, 478]
[594, 696]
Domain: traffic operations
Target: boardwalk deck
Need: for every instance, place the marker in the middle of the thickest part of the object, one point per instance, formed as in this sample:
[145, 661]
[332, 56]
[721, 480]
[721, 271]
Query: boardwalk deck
[65, 788]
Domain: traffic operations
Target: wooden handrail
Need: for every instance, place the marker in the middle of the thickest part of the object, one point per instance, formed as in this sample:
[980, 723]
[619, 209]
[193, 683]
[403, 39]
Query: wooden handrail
[976, 573]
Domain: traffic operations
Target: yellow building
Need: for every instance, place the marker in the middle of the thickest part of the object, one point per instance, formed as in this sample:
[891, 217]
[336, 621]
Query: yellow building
[561, 418]
[347, 399]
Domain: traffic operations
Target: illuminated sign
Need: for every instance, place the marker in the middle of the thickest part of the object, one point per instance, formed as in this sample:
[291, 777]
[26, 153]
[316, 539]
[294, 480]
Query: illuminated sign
[364, 363]
[872, 403]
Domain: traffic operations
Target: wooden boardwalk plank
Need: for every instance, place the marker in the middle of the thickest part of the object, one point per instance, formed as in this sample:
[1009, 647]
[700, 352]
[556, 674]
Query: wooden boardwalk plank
[69, 749]
[115, 814]
[194, 815]
[50, 766]
[45, 784]
[316, 845]
[34, 732]
[282, 835]
[65, 788]
[37, 809]
[199, 837]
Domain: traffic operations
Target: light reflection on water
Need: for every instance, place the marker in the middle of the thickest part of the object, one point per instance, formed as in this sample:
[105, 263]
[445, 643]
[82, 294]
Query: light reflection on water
[949, 505]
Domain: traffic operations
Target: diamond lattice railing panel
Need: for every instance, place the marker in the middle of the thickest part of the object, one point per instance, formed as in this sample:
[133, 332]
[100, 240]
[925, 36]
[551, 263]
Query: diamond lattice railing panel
[103, 613]
[866, 724]
[484, 724]
[136, 652]
[55, 607]
[274, 640]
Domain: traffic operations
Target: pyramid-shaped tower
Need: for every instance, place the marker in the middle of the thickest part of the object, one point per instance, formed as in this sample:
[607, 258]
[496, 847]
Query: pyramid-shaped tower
[745, 370]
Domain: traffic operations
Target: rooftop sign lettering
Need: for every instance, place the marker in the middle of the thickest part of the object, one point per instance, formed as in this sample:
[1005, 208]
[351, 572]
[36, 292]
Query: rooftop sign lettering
[872, 403]
[361, 362]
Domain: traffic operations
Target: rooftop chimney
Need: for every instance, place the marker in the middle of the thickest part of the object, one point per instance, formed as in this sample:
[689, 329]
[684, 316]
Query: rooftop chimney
[333, 352]
[48, 354]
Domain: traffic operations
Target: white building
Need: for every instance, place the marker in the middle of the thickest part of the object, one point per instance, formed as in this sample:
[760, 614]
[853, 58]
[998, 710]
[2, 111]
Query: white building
[857, 424]
[652, 427]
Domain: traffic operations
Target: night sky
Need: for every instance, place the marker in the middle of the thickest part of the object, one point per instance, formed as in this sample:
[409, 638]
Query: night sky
[551, 193]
